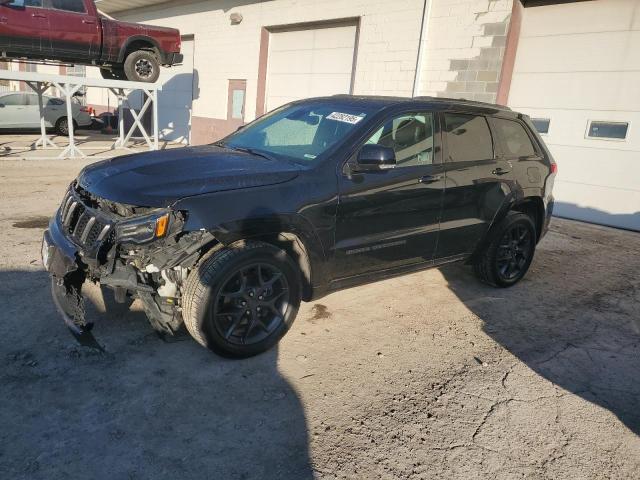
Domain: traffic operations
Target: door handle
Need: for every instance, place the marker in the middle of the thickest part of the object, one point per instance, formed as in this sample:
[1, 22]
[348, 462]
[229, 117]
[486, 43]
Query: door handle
[430, 179]
[3, 19]
[38, 15]
[500, 171]
[88, 22]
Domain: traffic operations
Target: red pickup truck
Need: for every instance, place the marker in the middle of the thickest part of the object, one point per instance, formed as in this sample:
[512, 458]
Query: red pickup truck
[75, 31]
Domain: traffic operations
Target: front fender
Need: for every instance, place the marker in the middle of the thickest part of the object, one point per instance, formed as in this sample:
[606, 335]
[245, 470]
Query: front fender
[242, 219]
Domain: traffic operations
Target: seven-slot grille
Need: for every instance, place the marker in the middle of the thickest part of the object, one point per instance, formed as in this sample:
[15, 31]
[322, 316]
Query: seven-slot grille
[81, 223]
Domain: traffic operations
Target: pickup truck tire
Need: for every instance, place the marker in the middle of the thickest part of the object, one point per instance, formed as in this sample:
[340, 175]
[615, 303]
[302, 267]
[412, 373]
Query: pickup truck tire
[509, 251]
[142, 66]
[241, 300]
[62, 126]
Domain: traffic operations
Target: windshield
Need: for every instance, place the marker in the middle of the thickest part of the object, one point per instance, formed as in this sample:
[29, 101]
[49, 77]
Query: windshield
[301, 132]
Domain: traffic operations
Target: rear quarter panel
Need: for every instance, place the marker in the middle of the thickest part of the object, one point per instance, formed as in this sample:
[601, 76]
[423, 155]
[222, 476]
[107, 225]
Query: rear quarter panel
[117, 36]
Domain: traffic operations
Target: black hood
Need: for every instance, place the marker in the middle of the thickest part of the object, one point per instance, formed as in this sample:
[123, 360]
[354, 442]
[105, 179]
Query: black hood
[159, 179]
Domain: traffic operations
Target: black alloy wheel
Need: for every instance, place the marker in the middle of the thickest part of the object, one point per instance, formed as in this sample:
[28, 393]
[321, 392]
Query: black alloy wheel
[514, 252]
[241, 299]
[251, 304]
[507, 255]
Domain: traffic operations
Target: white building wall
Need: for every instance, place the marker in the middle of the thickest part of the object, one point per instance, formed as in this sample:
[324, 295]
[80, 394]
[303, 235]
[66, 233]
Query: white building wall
[386, 56]
[462, 56]
[579, 62]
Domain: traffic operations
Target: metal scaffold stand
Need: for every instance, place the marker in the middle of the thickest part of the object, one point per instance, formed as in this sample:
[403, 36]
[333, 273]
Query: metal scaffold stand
[70, 85]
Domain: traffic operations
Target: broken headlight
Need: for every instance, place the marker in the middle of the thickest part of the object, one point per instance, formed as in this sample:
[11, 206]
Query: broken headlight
[144, 229]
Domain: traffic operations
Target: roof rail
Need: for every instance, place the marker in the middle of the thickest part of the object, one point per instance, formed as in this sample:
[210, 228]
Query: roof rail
[462, 100]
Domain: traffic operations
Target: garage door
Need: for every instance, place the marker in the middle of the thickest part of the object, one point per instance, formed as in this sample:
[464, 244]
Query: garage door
[176, 98]
[580, 77]
[309, 62]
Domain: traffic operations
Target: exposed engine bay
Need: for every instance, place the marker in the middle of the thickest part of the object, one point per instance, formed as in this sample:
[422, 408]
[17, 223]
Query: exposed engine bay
[138, 252]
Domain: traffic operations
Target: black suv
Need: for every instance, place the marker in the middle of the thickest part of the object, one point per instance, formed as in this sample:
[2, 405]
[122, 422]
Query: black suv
[318, 195]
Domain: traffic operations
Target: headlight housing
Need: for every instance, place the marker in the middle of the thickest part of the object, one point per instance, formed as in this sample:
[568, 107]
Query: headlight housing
[144, 229]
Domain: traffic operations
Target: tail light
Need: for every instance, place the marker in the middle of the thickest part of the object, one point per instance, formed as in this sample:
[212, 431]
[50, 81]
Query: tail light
[554, 167]
[85, 109]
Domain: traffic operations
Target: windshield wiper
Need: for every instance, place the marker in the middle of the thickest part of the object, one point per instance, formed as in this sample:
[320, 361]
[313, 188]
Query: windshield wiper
[250, 151]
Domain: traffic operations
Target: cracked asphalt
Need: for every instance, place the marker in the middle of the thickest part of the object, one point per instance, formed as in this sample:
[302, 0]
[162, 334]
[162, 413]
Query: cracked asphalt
[431, 375]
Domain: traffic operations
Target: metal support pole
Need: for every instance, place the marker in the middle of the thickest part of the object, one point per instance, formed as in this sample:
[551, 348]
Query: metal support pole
[155, 120]
[121, 100]
[149, 100]
[43, 141]
[72, 151]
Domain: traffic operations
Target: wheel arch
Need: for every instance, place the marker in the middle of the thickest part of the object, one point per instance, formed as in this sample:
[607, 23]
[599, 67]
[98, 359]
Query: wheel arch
[532, 206]
[295, 243]
[138, 42]
[295, 247]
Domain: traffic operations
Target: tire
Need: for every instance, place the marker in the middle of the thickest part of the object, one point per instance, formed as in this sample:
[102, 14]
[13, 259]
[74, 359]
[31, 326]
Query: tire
[503, 249]
[62, 126]
[142, 66]
[218, 319]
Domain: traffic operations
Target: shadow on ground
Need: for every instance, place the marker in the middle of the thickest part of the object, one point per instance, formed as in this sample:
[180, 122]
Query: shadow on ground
[588, 345]
[142, 409]
[630, 221]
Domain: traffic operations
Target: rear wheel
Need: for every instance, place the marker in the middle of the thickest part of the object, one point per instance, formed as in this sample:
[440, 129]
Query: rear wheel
[242, 300]
[509, 252]
[142, 66]
[62, 126]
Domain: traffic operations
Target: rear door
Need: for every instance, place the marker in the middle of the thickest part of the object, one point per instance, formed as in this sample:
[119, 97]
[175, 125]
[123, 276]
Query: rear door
[24, 28]
[32, 111]
[389, 218]
[477, 183]
[75, 31]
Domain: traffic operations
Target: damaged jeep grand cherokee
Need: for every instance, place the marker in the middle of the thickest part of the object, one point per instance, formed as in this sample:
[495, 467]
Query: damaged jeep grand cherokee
[317, 196]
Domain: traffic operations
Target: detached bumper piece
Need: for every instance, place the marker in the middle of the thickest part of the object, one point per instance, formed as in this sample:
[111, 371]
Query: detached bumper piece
[67, 277]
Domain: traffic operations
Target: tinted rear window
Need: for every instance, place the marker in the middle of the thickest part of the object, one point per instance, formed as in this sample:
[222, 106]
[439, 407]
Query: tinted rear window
[468, 137]
[69, 5]
[514, 139]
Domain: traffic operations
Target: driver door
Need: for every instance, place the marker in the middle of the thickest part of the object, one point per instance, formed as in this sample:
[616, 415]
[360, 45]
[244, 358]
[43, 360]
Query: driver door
[389, 219]
[24, 28]
[14, 111]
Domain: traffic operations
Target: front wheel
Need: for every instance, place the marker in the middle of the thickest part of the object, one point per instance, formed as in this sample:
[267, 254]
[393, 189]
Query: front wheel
[243, 299]
[508, 255]
[142, 66]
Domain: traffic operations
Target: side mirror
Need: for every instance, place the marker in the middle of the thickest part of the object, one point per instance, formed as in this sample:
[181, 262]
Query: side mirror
[372, 158]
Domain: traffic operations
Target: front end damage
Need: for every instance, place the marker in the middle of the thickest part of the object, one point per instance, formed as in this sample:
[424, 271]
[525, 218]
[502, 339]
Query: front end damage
[139, 253]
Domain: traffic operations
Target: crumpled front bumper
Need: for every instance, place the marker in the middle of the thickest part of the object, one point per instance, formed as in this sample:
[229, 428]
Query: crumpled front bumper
[61, 259]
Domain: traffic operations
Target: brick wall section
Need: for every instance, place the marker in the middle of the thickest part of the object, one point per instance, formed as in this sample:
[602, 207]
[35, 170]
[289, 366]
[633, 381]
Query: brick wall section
[465, 48]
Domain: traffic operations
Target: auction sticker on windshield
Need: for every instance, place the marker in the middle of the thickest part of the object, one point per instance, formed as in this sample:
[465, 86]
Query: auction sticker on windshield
[345, 117]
